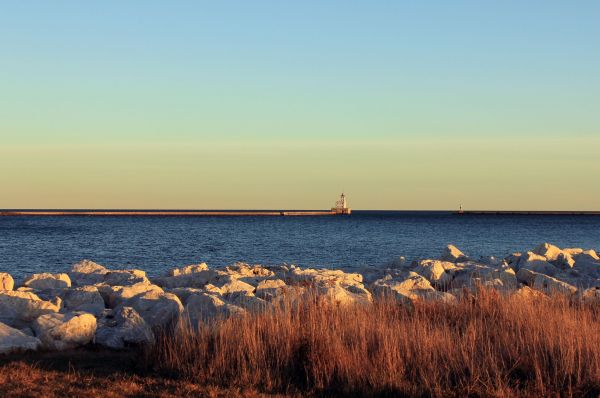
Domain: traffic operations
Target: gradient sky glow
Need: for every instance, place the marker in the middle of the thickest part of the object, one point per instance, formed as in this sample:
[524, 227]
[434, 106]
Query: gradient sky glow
[278, 104]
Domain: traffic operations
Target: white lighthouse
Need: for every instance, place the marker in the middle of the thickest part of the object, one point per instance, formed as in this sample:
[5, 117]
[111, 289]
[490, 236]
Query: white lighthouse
[341, 206]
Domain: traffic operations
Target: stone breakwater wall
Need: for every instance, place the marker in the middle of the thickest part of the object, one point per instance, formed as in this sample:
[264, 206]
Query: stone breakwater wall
[91, 304]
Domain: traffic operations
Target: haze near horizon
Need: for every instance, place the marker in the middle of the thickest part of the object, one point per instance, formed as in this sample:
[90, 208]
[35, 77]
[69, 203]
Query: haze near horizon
[260, 105]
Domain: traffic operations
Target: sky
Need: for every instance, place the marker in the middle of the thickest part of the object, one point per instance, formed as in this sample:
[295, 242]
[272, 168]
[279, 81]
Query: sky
[415, 105]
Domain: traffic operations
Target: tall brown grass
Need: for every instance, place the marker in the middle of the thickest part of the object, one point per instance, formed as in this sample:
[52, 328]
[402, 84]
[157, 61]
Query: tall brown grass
[484, 345]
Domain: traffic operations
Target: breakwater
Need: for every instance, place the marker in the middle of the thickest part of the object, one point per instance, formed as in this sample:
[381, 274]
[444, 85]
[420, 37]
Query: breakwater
[176, 213]
[529, 212]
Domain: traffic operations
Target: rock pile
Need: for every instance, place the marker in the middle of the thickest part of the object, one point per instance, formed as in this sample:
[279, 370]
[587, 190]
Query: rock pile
[121, 308]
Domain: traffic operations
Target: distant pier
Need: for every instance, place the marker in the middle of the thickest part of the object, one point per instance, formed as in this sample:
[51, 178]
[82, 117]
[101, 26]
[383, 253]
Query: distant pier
[527, 212]
[340, 208]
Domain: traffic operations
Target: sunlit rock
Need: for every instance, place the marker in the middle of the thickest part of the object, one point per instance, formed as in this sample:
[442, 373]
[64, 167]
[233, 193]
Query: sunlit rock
[270, 288]
[188, 269]
[537, 263]
[115, 295]
[122, 329]
[159, 309]
[247, 301]
[197, 278]
[87, 272]
[232, 285]
[14, 340]
[125, 277]
[21, 308]
[453, 254]
[526, 293]
[349, 295]
[86, 298]
[544, 283]
[205, 307]
[65, 331]
[437, 272]
[47, 281]
[411, 287]
[6, 281]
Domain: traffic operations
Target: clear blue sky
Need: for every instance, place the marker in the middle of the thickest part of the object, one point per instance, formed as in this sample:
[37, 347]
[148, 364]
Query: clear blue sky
[277, 104]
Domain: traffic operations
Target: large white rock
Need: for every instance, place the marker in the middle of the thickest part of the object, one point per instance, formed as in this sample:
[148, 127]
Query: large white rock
[405, 288]
[205, 307]
[6, 281]
[587, 264]
[47, 281]
[183, 293]
[556, 256]
[270, 288]
[507, 276]
[86, 298]
[87, 272]
[525, 293]
[249, 271]
[549, 251]
[125, 277]
[345, 296]
[453, 254]
[248, 301]
[544, 283]
[158, 309]
[115, 295]
[234, 286]
[65, 331]
[188, 269]
[196, 279]
[537, 263]
[437, 272]
[123, 329]
[309, 276]
[20, 308]
[14, 340]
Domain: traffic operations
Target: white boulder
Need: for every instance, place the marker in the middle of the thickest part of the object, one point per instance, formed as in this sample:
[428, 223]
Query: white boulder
[188, 269]
[234, 286]
[544, 283]
[6, 281]
[123, 329]
[86, 298]
[158, 309]
[537, 263]
[270, 288]
[87, 272]
[20, 308]
[195, 279]
[349, 295]
[453, 254]
[407, 288]
[47, 281]
[115, 295]
[437, 272]
[205, 307]
[125, 277]
[14, 340]
[65, 331]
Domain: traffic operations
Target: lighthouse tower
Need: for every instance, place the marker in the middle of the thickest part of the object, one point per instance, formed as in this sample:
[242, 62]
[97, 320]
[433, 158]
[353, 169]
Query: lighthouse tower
[341, 206]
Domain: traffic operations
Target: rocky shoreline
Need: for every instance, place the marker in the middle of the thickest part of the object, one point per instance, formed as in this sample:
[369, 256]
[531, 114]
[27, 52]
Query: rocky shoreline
[117, 309]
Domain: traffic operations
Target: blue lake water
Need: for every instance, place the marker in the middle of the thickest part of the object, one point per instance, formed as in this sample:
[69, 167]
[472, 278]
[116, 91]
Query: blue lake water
[154, 244]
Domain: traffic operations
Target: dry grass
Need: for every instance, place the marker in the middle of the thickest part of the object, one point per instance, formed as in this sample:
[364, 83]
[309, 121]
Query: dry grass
[486, 345]
[91, 374]
[483, 346]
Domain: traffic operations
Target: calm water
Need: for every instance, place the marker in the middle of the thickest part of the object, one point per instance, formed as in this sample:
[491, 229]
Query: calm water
[38, 244]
